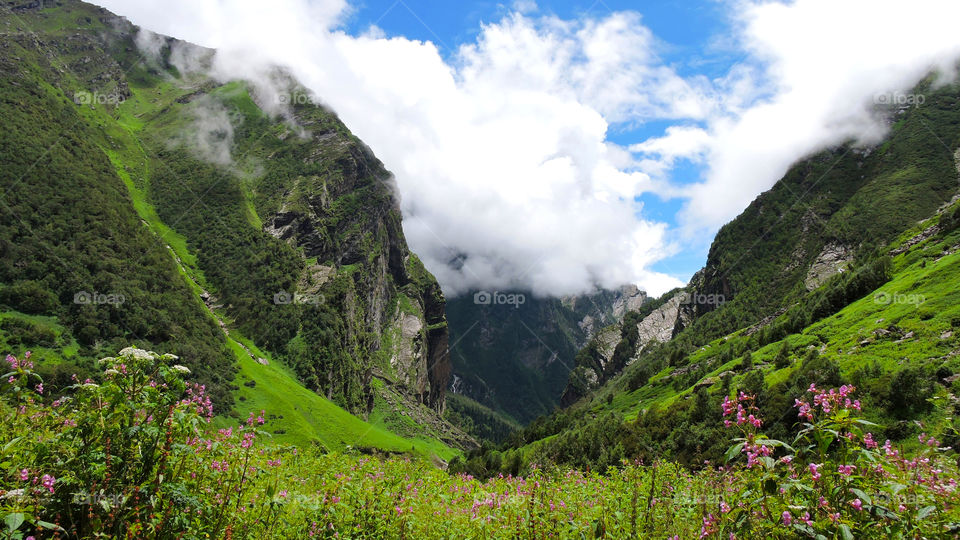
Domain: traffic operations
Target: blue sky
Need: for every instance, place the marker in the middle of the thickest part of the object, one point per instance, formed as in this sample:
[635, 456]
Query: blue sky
[690, 38]
[578, 143]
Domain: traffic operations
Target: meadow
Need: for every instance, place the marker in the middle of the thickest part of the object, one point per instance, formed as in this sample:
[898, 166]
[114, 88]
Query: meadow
[136, 453]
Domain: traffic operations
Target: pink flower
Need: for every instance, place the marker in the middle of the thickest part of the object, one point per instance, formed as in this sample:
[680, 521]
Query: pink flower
[813, 470]
[846, 470]
[24, 475]
[728, 406]
[787, 518]
[48, 482]
[39, 388]
[869, 442]
[856, 504]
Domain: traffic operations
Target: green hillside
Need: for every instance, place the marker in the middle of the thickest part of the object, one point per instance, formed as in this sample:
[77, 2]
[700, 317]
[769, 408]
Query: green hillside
[883, 318]
[108, 242]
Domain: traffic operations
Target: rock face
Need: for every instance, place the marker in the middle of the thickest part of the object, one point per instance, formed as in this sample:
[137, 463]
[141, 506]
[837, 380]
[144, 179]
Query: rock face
[661, 324]
[604, 307]
[834, 259]
[397, 305]
[594, 361]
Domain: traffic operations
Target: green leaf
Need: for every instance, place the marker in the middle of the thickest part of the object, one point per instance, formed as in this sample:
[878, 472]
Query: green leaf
[845, 532]
[863, 496]
[733, 452]
[13, 521]
[48, 525]
[925, 511]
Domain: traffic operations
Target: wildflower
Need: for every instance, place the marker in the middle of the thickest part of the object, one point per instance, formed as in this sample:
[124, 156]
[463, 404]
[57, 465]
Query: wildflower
[787, 518]
[247, 441]
[806, 519]
[180, 369]
[724, 507]
[48, 482]
[846, 470]
[24, 475]
[728, 406]
[708, 526]
[39, 388]
[869, 442]
[814, 473]
[856, 504]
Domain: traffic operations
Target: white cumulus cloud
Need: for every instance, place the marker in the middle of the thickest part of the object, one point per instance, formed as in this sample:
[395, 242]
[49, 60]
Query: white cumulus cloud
[500, 148]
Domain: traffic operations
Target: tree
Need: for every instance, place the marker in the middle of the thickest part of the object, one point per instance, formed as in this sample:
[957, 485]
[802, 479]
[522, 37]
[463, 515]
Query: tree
[782, 359]
[746, 363]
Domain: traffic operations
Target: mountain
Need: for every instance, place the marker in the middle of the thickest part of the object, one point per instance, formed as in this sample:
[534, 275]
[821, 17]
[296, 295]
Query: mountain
[235, 223]
[843, 273]
[827, 211]
[513, 352]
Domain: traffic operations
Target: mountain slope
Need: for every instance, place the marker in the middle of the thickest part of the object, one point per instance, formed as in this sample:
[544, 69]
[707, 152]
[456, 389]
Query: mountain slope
[843, 286]
[515, 358]
[207, 208]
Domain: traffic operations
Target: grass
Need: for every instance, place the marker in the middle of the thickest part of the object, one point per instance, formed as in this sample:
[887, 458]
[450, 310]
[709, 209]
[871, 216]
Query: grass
[925, 300]
[298, 415]
[301, 417]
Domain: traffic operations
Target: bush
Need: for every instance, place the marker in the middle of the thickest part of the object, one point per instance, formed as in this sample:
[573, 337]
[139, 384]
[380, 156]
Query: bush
[30, 297]
[782, 359]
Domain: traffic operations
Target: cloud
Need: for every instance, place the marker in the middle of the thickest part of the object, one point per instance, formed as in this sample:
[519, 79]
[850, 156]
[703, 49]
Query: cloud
[500, 153]
[500, 148]
[812, 78]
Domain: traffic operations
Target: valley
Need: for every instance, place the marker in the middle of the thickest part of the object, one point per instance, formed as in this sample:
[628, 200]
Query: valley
[214, 327]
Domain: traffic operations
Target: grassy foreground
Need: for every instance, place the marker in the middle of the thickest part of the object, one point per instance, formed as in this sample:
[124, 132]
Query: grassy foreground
[135, 455]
